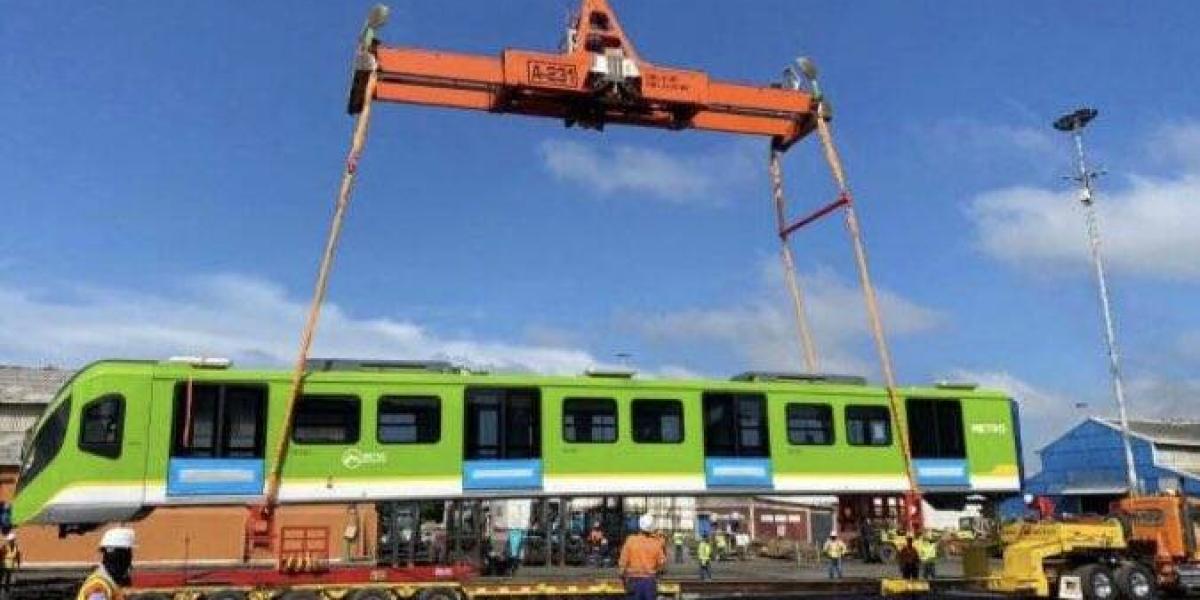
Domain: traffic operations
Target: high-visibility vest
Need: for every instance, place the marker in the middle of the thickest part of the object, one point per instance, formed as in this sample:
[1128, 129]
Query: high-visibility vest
[12, 555]
[835, 549]
[927, 550]
[704, 551]
[99, 586]
[678, 538]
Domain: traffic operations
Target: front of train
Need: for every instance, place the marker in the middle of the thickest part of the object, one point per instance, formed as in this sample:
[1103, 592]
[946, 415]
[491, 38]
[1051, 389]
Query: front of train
[39, 478]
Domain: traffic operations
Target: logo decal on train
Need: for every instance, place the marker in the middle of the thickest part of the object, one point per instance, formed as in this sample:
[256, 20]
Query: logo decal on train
[354, 458]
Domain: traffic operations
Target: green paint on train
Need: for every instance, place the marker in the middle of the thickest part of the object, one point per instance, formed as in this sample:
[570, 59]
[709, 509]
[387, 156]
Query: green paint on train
[122, 437]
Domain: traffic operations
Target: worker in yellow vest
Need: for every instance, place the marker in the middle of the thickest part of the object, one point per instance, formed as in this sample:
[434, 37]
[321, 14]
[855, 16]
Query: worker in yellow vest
[677, 540]
[116, 561]
[927, 550]
[834, 549]
[10, 561]
[704, 555]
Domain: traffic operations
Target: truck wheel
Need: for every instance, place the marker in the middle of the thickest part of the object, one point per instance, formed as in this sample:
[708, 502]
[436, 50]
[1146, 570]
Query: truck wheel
[1097, 582]
[1135, 581]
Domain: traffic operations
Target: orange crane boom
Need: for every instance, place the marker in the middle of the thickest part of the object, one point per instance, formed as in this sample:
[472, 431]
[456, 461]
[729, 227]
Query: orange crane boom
[598, 79]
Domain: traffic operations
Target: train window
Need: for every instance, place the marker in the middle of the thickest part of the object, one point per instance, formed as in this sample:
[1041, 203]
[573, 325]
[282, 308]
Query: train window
[868, 426]
[591, 420]
[46, 444]
[409, 420]
[735, 425]
[215, 420]
[101, 425]
[326, 419]
[810, 424]
[657, 421]
[503, 423]
[935, 428]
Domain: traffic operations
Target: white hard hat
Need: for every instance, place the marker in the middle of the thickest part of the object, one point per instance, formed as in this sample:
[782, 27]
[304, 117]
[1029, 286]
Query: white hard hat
[117, 537]
[646, 523]
[1028, 498]
[12, 536]
[833, 533]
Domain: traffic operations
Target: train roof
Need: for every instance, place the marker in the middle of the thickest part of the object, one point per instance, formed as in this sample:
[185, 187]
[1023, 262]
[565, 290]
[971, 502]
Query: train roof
[440, 372]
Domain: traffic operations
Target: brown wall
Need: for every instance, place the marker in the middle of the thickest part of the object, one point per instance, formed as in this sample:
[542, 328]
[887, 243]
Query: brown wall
[200, 535]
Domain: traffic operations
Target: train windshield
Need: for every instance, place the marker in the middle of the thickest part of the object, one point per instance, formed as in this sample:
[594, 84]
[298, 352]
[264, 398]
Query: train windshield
[45, 445]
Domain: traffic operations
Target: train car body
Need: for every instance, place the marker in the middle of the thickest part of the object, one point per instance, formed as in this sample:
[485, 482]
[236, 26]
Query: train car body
[124, 437]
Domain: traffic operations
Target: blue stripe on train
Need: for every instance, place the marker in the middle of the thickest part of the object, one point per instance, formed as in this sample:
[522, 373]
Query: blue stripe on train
[507, 474]
[738, 472]
[215, 477]
[942, 472]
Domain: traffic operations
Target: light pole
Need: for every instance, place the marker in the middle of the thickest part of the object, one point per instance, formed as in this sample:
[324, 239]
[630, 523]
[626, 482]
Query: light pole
[1074, 123]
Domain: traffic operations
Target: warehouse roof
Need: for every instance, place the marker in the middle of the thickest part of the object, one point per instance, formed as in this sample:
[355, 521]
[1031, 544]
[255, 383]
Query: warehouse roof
[1174, 433]
[28, 385]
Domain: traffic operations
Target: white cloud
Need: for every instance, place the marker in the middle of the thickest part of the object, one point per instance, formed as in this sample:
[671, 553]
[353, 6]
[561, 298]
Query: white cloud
[1177, 143]
[1147, 227]
[762, 332]
[244, 318]
[1146, 222]
[696, 178]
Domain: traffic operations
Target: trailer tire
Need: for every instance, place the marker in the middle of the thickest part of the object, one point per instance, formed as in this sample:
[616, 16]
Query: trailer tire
[371, 593]
[152, 596]
[1135, 581]
[301, 594]
[225, 595]
[438, 594]
[1097, 582]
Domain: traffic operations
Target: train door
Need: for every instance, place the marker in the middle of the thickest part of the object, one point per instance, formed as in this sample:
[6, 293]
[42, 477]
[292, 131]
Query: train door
[503, 449]
[939, 451]
[218, 439]
[736, 441]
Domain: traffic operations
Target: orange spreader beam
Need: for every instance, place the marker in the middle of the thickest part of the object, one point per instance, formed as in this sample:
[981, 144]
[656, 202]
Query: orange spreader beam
[598, 80]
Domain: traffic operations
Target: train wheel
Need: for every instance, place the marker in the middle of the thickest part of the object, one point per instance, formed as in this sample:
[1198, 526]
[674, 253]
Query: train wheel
[1135, 581]
[1097, 582]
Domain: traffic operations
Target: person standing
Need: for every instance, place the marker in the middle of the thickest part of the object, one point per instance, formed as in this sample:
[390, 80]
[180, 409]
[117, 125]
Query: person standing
[927, 550]
[10, 561]
[642, 558]
[112, 574]
[677, 540]
[834, 549]
[909, 560]
[704, 554]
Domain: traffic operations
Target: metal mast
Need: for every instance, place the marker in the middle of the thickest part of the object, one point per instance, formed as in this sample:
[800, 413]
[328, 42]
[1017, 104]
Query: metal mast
[1074, 123]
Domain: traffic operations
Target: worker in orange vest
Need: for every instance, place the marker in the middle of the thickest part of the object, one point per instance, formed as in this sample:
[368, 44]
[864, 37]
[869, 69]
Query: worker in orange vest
[116, 561]
[642, 557]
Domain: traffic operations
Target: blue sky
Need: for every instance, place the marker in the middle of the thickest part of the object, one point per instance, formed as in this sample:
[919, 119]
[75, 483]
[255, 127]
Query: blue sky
[167, 171]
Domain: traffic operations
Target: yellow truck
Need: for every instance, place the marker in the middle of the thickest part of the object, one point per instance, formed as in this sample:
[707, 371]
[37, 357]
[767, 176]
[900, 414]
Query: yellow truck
[1147, 544]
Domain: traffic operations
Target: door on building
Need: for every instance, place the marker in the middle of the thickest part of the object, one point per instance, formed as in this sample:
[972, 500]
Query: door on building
[736, 441]
[503, 449]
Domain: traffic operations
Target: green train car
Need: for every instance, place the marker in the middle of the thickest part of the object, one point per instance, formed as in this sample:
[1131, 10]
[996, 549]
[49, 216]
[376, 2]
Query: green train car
[123, 437]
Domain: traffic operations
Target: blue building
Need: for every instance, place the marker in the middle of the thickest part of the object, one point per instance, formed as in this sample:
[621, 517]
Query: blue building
[1084, 469]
